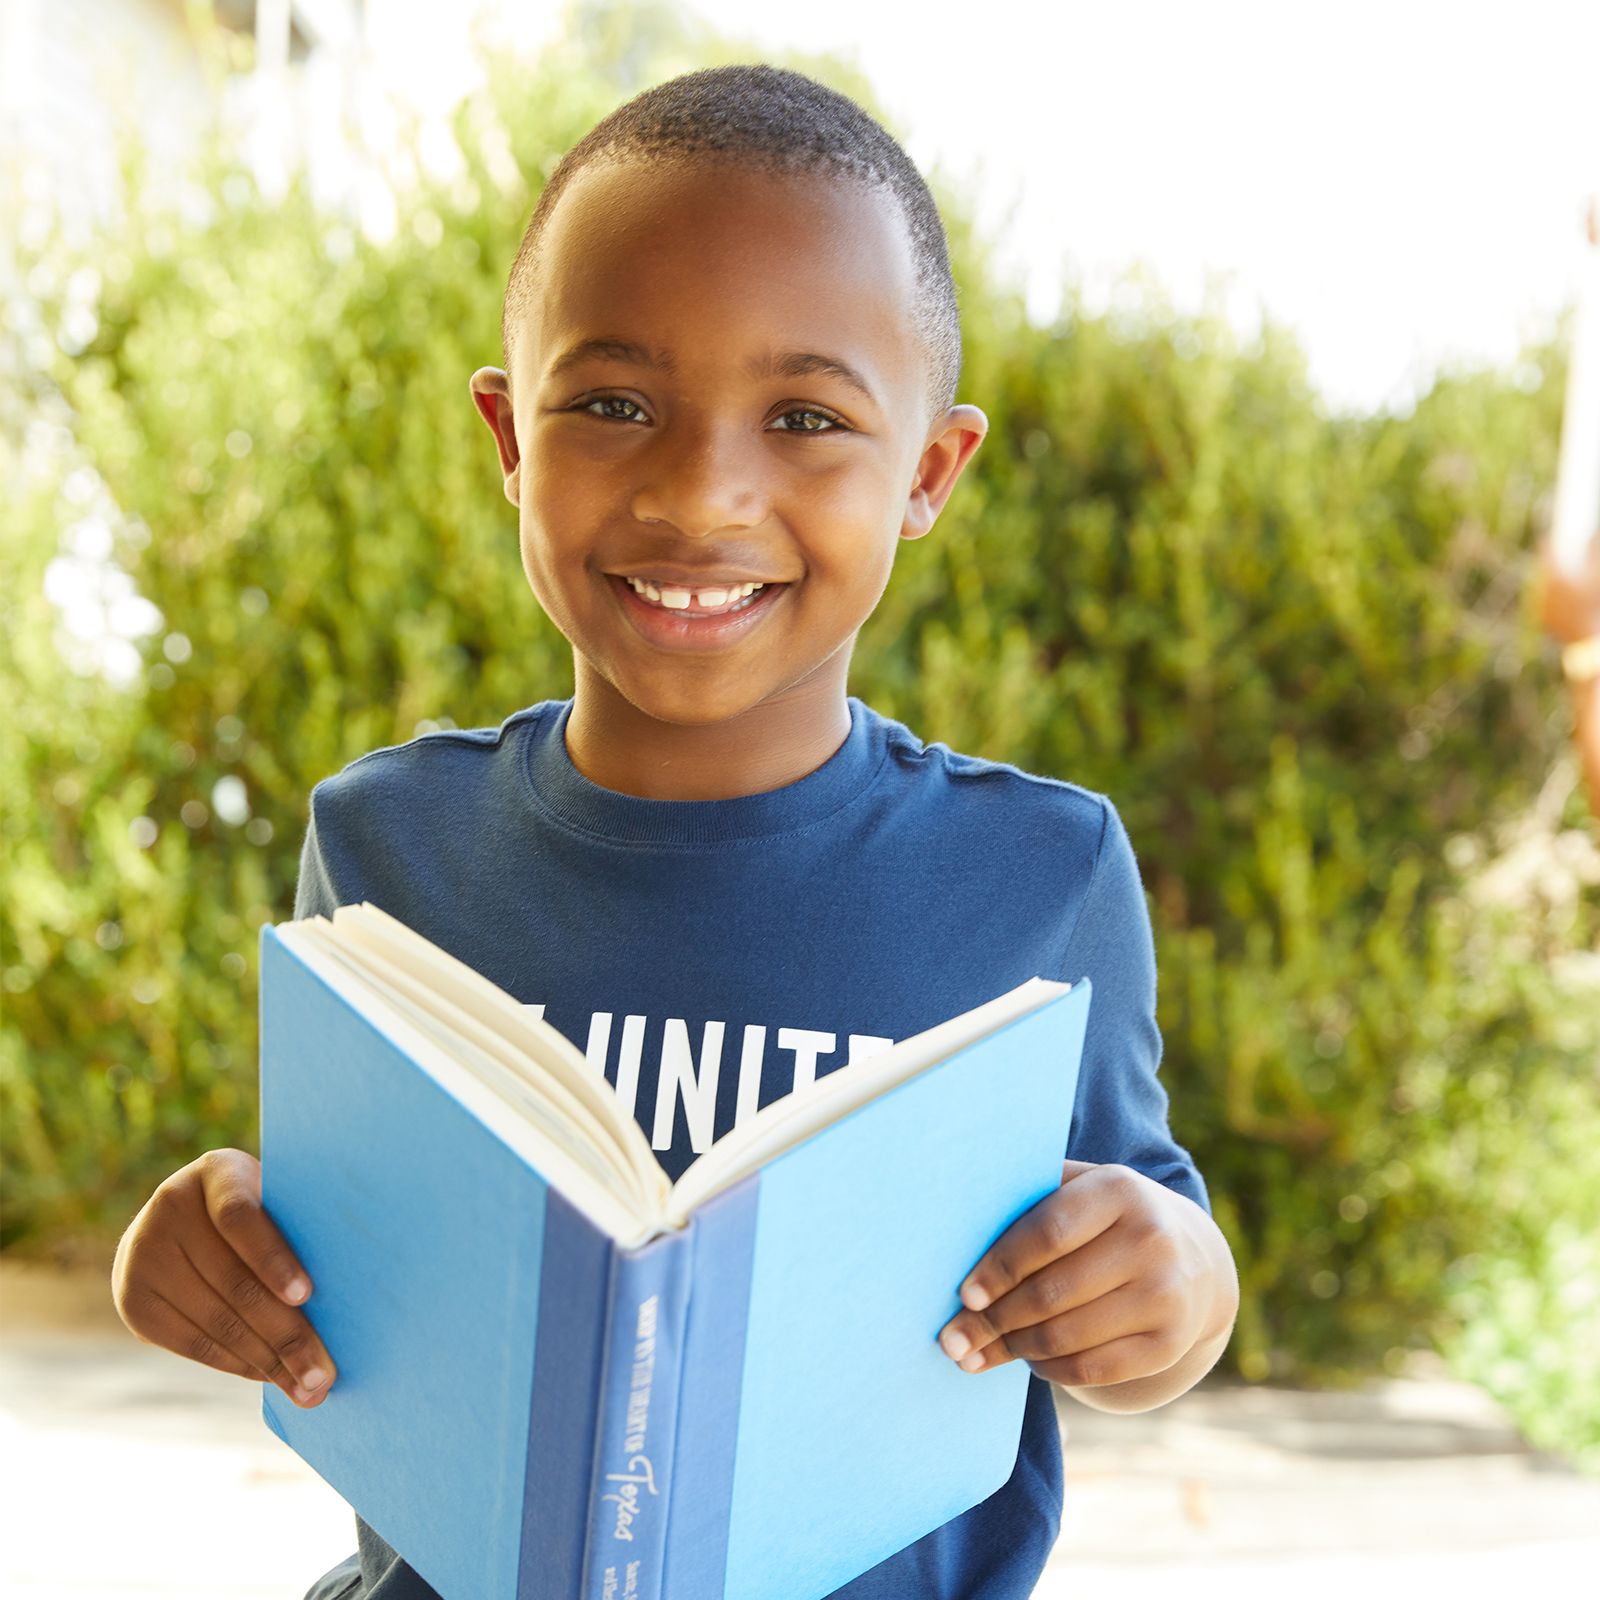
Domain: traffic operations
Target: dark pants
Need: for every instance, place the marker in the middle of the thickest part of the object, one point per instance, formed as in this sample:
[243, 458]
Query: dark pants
[374, 1572]
[342, 1582]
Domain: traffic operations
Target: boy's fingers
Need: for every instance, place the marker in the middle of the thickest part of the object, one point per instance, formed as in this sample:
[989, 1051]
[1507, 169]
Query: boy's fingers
[248, 1316]
[1094, 1271]
[231, 1183]
[1135, 1355]
[162, 1323]
[1123, 1313]
[1128, 1333]
[1062, 1222]
[174, 1328]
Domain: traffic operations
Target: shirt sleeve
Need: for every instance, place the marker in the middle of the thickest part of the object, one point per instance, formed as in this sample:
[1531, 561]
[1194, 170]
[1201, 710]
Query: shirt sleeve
[1120, 1113]
[314, 892]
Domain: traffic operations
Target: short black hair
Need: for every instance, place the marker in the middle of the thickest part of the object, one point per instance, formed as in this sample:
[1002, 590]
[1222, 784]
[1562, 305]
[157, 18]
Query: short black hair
[776, 120]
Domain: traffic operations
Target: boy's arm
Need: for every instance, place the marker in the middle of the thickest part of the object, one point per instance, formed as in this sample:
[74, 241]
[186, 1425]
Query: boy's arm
[314, 892]
[1118, 1286]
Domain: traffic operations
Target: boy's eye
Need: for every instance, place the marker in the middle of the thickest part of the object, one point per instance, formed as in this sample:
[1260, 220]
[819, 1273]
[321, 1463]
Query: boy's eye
[833, 424]
[608, 400]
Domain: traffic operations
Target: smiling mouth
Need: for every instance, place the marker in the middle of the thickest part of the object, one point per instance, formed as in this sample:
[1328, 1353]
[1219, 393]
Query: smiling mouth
[694, 627]
[706, 602]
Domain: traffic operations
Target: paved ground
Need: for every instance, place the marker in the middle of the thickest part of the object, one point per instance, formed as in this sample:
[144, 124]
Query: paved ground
[128, 1472]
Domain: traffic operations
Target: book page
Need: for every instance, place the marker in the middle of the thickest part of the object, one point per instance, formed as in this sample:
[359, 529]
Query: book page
[459, 1068]
[784, 1123]
[539, 1052]
[539, 1094]
[517, 1055]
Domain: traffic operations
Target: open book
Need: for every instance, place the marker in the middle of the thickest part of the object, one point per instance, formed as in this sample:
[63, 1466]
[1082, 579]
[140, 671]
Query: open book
[561, 1374]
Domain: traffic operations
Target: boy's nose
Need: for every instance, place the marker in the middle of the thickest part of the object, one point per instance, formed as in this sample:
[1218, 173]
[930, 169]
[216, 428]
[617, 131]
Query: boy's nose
[710, 486]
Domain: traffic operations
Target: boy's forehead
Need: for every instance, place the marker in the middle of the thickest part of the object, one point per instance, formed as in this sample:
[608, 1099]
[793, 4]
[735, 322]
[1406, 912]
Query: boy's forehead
[708, 263]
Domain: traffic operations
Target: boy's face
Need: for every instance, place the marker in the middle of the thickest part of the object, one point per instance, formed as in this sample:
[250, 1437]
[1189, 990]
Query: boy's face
[692, 458]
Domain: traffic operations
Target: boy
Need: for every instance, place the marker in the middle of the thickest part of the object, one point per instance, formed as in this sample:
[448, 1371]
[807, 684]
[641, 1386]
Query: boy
[731, 355]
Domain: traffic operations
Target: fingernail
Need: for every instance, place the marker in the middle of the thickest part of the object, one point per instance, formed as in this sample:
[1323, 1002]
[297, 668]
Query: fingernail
[298, 1290]
[973, 1362]
[956, 1344]
[974, 1298]
[315, 1378]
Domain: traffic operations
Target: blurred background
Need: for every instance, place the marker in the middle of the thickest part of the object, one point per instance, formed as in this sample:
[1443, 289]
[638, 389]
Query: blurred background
[1269, 310]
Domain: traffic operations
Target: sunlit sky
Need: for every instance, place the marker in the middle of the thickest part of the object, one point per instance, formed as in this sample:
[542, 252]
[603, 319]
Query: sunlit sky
[1403, 183]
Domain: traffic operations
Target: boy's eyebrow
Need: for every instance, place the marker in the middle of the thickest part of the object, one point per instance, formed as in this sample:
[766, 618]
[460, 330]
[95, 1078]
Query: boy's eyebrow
[802, 364]
[785, 364]
[610, 349]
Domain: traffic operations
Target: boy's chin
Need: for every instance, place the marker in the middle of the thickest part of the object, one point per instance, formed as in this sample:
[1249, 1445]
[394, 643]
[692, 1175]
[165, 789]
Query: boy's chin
[693, 704]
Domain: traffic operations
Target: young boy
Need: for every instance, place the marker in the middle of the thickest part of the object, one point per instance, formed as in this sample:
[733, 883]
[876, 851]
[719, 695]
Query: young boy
[731, 355]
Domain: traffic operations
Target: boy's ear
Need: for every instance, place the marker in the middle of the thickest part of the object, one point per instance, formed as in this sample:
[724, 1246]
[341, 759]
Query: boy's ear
[491, 393]
[956, 437]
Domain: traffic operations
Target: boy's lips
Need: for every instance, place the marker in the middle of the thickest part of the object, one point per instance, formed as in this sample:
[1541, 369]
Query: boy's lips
[679, 578]
[679, 630]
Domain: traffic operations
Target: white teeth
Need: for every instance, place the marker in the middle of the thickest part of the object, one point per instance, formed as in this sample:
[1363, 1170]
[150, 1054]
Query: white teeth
[681, 599]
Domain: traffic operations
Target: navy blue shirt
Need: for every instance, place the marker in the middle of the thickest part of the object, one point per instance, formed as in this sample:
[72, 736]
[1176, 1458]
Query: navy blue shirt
[713, 955]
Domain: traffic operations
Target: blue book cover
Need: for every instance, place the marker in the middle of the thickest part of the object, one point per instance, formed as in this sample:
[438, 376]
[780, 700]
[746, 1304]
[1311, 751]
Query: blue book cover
[529, 1409]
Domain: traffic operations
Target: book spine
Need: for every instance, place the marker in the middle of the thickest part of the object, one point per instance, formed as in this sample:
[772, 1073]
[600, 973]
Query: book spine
[709, 1393]
[569, 1368]
[637, 1419]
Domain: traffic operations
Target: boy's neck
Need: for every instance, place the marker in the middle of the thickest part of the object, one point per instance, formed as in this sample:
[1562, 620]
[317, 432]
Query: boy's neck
[619, 747]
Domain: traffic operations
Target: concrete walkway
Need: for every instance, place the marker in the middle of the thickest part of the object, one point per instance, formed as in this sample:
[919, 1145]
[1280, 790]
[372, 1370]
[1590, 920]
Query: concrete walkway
[128, 1472]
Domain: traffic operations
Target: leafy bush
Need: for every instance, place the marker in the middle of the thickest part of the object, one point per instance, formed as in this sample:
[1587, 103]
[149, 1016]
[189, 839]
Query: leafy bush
[1296, 650]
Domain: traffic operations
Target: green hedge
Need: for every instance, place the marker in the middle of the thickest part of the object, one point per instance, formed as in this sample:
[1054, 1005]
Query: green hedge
[1297, 650]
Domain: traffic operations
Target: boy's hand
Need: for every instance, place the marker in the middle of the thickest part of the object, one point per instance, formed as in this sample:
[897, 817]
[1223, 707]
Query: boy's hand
[203, 1272]
[1112, 1277]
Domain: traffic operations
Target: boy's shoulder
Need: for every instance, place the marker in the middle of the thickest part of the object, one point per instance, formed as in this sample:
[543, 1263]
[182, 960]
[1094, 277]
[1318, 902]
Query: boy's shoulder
[1002, 815]
[985, 778]
[445, 761]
